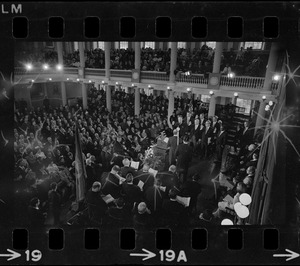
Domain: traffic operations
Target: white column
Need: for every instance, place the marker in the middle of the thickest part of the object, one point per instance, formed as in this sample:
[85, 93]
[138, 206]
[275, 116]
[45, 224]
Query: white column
[108, 97]
[261, 113]
[234, 100]
[217, 57]
[212, 106]
[137, 102]
[81, 54]
[107, 46]
[84, 96]
[161, 45]
[137, 55]
[170, 106]
[272, 61]
[173, 61]
[193, 45]
[61, 62]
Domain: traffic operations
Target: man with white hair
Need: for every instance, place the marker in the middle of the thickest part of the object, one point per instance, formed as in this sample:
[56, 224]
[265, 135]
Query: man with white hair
[127, 168]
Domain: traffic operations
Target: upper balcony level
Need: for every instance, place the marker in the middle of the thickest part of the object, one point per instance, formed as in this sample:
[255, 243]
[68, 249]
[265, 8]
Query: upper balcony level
[197, 83]
[165, 65]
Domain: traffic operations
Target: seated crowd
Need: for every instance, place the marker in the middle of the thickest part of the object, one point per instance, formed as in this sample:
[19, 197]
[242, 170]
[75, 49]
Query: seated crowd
[197, 61]
[45, 161]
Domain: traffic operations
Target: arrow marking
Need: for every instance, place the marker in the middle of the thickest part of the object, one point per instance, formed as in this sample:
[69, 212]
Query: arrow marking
[147, 255]
[13, 255]
[291, 256]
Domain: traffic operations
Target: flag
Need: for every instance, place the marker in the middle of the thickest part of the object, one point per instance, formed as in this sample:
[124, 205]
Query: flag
[80, 172]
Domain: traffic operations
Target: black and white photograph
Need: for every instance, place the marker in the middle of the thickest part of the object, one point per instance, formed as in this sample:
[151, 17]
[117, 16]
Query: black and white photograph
[161, 138]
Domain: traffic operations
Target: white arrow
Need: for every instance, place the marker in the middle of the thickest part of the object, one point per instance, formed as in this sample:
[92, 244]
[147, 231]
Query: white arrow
[291, 256]
[147, 256]
[13, 255]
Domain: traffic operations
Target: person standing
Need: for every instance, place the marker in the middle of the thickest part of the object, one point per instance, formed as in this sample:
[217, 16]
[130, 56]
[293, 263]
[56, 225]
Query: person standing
[206, 139]
[36, 216]
[54, 200]
[96, 205]
[183, 154]
[172, 144]
[221, 139]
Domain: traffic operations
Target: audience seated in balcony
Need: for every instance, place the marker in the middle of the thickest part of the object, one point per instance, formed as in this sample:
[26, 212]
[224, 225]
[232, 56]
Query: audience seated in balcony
[197, 61]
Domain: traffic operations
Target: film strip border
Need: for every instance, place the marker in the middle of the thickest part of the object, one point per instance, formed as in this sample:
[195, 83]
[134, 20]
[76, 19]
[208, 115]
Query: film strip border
[189, 21]
[199, 245]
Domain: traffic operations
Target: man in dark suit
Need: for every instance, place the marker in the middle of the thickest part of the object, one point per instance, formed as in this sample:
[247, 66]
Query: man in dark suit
[191, 188]
[144, 176]
[113, 182]
[168, 179]
[202, 119]
[195, 134]
[54, 200]
[96, 205]
[215, 125]
[173, 211]
[221, 139]
[172, 144]
[207, 136]
[36, 216]
[154, 197]
[181, 125]
[131, 193]
[127, 168]
[246, 137]
[183, 154]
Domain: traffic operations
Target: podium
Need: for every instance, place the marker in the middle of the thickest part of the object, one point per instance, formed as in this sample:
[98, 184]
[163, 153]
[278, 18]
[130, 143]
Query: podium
[161, 150]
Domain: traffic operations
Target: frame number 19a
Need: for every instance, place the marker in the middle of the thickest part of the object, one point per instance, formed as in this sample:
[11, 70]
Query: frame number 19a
[170, 255]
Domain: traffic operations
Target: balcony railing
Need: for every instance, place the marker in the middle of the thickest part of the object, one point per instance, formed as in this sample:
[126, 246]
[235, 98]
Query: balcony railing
[194, 79]
[154, 75]
[243, 82]
[95, 71]
[116, 73]
[20, 71]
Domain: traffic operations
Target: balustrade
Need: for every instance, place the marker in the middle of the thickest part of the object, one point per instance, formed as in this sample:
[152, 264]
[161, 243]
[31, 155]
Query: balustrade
[245, 82]
[154, 75]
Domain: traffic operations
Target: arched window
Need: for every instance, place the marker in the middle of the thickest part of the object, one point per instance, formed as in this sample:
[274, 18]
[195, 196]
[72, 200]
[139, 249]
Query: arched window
[123, 45]
[254, 45]
[181, 45]
[150, 45]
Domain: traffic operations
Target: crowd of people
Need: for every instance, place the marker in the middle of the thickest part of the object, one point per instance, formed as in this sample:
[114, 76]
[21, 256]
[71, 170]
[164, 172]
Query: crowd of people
[244, 62]
[45, 161]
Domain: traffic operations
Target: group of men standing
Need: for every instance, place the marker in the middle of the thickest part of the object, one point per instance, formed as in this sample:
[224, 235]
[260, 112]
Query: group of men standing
[201, 137]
